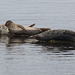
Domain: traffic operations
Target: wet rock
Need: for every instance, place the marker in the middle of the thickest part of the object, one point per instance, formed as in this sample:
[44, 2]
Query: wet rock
[3, 29]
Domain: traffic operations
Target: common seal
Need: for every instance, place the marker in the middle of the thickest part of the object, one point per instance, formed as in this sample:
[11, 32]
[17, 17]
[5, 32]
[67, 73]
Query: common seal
[19, 29]
[4, 30]
[63, 35]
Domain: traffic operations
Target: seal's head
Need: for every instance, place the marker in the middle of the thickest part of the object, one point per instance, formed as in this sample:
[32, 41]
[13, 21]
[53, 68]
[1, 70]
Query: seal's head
[8, 23]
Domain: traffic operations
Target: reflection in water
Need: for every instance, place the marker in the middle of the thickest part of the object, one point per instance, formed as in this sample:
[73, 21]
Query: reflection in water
[61, 46]
[10, 40]
[58, 47]
[19, 57]
[4, 39]
[55, 46]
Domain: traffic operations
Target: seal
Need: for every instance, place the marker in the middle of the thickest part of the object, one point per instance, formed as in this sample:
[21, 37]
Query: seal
[62, 35]
[20, 29]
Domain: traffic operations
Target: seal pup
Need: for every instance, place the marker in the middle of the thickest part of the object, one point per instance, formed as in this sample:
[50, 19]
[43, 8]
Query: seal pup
[19, 29]
[62, 35]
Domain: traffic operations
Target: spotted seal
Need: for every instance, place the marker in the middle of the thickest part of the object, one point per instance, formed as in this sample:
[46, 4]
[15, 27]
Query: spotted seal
[63, 35]
[20, 29]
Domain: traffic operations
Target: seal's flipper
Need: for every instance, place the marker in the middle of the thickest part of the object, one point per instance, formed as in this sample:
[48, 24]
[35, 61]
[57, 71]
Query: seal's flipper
[31, 25]
[22, 27]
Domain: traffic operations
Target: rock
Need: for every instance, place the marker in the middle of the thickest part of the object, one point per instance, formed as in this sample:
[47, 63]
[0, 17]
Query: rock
[3, 29]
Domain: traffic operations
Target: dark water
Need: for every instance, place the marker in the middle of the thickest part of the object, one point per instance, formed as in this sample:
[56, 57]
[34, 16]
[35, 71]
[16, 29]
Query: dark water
[20, 58]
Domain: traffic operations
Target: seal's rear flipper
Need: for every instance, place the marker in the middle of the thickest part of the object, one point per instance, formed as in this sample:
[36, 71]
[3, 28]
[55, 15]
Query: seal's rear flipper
[31, 25]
